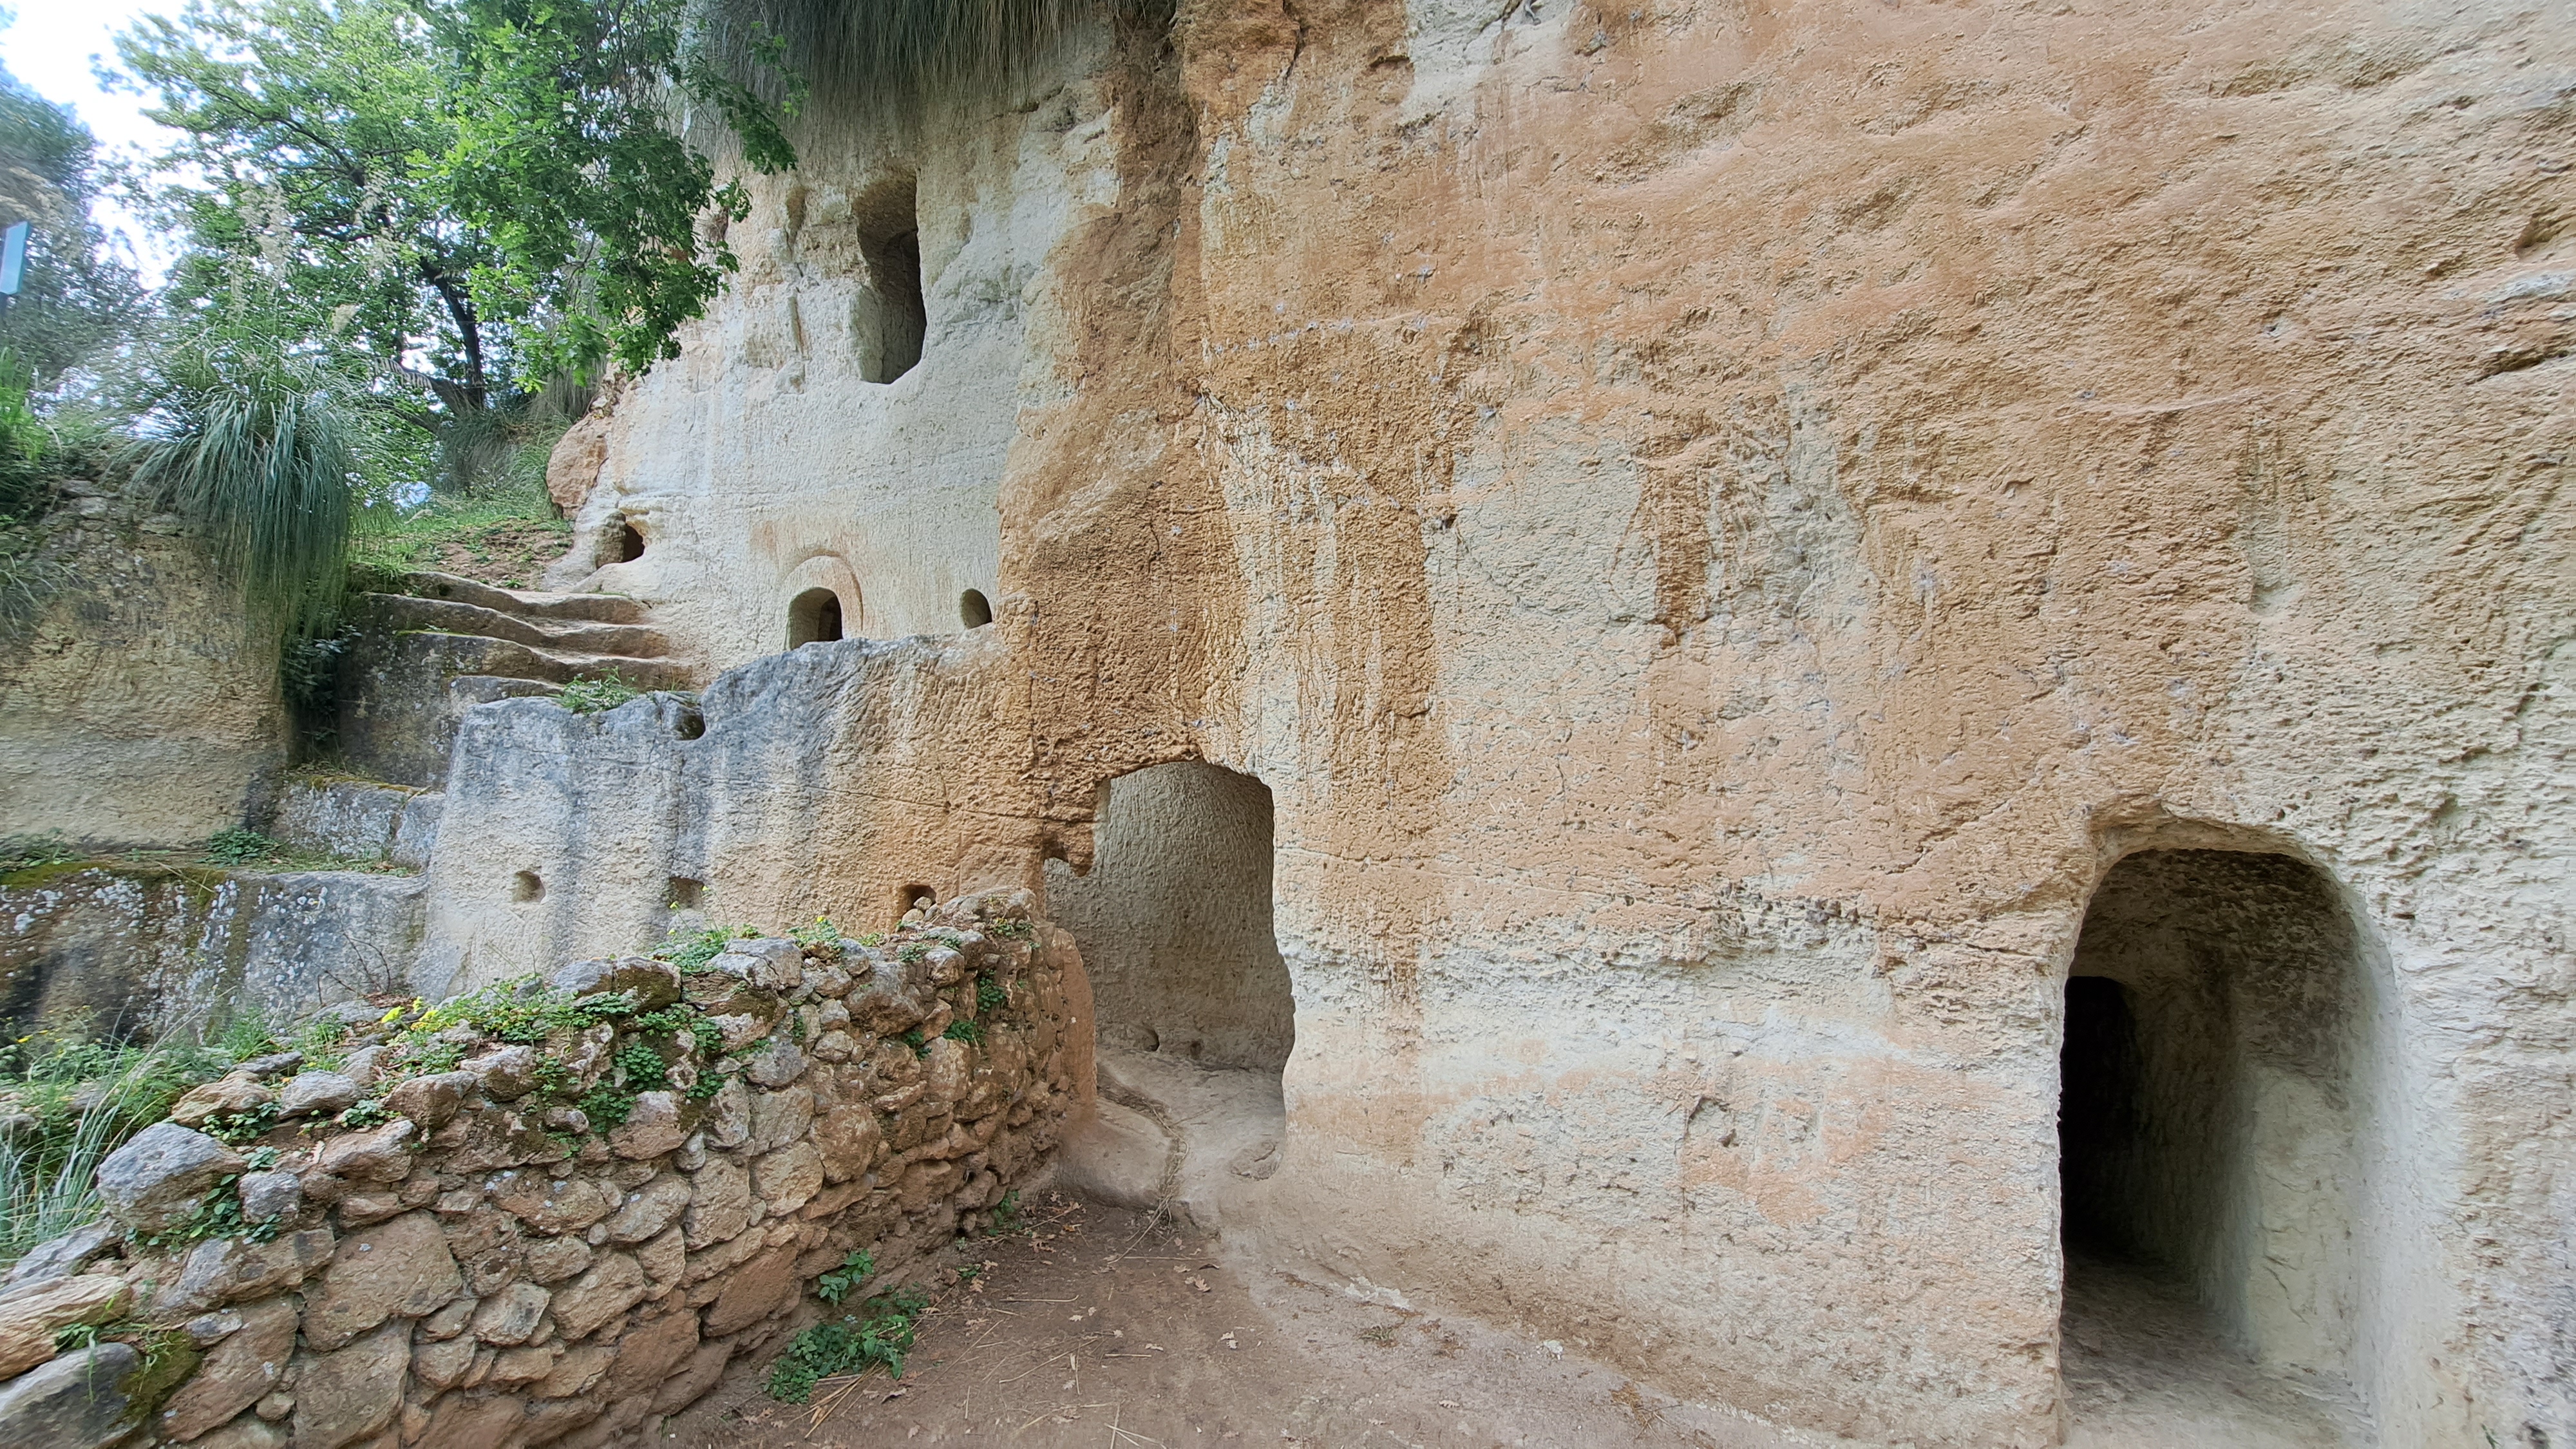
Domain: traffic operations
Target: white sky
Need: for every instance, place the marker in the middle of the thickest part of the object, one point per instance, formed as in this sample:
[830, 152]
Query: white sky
[49, 47]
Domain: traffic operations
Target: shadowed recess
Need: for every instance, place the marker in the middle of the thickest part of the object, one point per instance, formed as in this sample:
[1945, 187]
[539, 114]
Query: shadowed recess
[903, 48]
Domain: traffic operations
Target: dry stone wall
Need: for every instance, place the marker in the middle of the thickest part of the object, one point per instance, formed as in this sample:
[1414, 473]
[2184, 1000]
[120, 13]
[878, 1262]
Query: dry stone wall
[551, 1214]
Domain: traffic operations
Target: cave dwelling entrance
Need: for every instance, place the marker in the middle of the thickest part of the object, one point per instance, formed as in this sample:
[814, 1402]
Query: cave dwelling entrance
[2216, 1069]
[1191, 998]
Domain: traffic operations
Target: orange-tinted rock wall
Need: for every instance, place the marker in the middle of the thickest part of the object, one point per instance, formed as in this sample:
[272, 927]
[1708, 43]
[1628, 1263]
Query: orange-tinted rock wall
[1718, 526]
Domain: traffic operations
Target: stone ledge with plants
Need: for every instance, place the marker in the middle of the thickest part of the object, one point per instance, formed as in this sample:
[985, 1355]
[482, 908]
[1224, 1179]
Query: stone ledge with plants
[548, 1211]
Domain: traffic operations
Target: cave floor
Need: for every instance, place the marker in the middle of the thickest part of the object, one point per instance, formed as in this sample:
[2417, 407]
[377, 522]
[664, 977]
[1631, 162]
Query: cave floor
[1106, 1329]
[2143, 1371]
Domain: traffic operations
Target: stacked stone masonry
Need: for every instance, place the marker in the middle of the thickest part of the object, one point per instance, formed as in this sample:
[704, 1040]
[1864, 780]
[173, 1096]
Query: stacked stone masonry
[485, 1267]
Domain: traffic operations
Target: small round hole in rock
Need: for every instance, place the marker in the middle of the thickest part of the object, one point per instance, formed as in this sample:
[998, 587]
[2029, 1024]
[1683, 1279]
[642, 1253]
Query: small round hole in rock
[691, 725]
[685, 894]
[630, 544]
[527, 886]
[974, 608]
[913, 898]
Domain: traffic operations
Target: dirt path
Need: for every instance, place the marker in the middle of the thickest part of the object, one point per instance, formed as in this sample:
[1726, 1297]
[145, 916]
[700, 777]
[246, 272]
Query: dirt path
[1104, 1330]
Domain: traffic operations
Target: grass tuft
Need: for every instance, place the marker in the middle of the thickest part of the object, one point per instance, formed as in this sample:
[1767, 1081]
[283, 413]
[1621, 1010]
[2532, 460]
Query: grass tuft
[257, 453]
[65, 1104]
[590, 696]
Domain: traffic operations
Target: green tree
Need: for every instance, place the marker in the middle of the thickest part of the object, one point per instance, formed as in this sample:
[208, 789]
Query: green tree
[472, 195]
[75, 293]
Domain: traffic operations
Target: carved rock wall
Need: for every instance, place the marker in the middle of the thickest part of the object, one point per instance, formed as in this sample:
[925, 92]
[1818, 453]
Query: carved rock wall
[1719, 525]
[139, 707]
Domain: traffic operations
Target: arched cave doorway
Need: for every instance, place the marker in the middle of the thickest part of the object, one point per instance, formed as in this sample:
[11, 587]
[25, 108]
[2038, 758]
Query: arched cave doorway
[2215, 1083]
[1190, 996]
[813, 617]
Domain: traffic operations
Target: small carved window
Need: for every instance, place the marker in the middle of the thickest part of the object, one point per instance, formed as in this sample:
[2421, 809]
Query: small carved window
[813, 617]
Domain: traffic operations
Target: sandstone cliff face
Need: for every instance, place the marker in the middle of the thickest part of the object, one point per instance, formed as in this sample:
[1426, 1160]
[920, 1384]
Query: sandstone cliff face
[139, 707]
[1719, 526]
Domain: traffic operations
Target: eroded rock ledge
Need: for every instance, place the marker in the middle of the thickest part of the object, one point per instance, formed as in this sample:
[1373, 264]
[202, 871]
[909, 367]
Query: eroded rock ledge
[550, 1213]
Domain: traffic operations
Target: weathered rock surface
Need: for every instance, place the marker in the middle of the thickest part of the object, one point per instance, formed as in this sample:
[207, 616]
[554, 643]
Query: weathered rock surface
[509, 1318]
[76, 1401]
[235, 1373]
[233, 1270]
[647, 983]
[397, 1268]
[234, 1092]
[140, 707]
[271, 1194]
[317, 1094]
[107, 940]
[378, 1154]
[63, 1256]
[157, 1179]
[28, 1320]
[346, 1394]
[655, 1126]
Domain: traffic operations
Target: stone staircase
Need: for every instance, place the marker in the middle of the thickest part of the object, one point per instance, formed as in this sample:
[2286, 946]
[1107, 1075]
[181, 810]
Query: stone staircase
[421, 658]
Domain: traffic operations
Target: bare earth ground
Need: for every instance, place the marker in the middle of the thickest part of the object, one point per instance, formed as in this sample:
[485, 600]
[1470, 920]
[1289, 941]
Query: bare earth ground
[1106, 1329]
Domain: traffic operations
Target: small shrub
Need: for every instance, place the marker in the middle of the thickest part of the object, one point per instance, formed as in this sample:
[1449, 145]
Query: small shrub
[838, 1284]
[643, 1067]
[590, 696]
[821, 936]
[912, 952]
[427, 1056]
[1006, 1214]
[246, 1036]
[552, 1079]
[966, 1031]
[320, 1042]
[371, 1112]
[247, 1125]
[521, 1010]
[1010, 928]
[250, 850]
[853, 1345]
[991, 995]
[692, 953]
[607, 1107]
[914, 1039]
